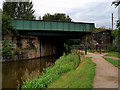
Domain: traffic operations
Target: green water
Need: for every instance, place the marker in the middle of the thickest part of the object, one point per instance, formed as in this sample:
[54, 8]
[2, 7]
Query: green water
[14, 73]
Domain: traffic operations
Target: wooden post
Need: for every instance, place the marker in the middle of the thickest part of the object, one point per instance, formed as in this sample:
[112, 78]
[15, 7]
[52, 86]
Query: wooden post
[106, 47]
[79, 54]
[96, 47]
[100, 49]
[85, 50]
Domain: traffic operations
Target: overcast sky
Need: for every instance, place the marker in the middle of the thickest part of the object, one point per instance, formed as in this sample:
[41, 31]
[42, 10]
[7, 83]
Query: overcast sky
[96, 11]
[119, 12]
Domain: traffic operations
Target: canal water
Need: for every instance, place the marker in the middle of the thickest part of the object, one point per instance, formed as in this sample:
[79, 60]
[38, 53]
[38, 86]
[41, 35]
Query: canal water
[14, 73]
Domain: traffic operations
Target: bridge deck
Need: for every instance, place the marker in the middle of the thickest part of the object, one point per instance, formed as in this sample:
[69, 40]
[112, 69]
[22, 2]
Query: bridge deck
[42, 25]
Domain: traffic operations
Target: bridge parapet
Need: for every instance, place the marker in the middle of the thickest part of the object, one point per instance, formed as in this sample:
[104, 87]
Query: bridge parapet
[43, 25]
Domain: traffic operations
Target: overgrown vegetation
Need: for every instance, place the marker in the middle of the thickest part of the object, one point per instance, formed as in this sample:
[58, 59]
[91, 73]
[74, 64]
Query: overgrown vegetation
[62, 65]
[99, 29]
[82, 77]
[7, 28]
[69, 43]
[116, 40]
[6, 48]
[116, 63]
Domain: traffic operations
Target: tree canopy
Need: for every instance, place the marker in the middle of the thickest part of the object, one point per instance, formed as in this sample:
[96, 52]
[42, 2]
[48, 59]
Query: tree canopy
[19, 10]
[57, 17]
[116, 40]
[116, 3]
[15, 10]
[7, 28]
[118, 23]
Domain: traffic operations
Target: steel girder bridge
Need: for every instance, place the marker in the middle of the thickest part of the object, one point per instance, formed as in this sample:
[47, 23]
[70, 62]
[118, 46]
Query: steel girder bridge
[44, 28]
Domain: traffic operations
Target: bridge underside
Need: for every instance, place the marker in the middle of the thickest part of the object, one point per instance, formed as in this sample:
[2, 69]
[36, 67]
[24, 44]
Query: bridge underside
[54, 34]
[44, 43]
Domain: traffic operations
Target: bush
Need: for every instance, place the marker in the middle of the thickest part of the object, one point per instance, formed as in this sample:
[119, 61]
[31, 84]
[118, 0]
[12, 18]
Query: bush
[69, 43]
[62, 65]
[112, 48]
[6, 48]
[116, 40]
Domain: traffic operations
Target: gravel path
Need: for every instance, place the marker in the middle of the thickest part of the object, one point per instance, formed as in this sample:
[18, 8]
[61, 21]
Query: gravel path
[106, 74]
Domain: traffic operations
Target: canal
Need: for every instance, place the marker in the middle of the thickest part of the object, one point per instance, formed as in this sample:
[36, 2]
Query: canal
[14, 73]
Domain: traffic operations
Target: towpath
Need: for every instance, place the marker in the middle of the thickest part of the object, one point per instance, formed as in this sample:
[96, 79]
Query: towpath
[106, 74]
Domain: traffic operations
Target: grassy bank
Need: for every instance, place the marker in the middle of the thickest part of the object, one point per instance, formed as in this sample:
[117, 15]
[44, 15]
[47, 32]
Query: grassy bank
[113, 54]
[63, 65]
[116, 63]
[82, 77]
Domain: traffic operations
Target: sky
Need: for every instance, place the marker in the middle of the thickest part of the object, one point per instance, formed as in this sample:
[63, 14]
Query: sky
[119, 12]
[94, 11]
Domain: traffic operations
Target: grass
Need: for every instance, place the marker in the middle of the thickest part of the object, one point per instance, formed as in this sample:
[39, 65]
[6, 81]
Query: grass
[113, 54]
[82, 77]
[82, 53]
[116, 63]
[94, 50]
[63, 65]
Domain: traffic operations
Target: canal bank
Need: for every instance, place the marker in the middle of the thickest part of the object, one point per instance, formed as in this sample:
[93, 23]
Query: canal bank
[69, 71]
[15, 72]
[82, 77]
[63, 65]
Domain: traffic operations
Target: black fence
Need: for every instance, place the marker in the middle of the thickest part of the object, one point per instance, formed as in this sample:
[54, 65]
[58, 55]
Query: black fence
[92, 48]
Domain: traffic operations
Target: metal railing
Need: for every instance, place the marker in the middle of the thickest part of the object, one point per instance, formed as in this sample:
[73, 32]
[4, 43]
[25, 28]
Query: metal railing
[96, 47]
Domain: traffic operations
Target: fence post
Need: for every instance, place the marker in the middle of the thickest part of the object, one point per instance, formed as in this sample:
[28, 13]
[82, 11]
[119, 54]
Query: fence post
[85, 50]
[100, 49]
[79, 53]
[106, 47]
[96, 47]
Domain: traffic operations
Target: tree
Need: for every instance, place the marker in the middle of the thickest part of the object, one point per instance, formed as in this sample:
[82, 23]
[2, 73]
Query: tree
[118, 23]
[69, 43]
[116, 40]
[6, 48]
[7, 28]
[57, 17]
[39, 18]
[116, 3]
[19, 10]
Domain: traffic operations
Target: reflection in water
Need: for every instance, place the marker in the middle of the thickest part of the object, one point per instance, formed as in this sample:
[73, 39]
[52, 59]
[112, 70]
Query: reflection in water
[13, 73]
